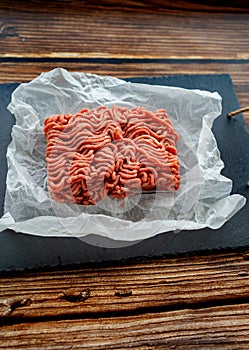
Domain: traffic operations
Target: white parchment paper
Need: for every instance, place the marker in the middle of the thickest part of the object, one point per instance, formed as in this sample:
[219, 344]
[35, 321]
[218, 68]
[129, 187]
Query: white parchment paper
[203, 200]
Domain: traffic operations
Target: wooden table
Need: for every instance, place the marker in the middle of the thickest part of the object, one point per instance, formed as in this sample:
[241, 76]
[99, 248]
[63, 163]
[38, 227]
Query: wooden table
[188, 302]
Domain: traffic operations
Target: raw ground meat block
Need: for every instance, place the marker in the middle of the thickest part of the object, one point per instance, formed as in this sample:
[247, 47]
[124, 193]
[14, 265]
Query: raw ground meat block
[110, 152]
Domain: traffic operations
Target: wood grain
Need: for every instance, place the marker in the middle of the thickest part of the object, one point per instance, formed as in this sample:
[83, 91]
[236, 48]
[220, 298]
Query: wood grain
[222, 327]
[160, 285]
[38, 29]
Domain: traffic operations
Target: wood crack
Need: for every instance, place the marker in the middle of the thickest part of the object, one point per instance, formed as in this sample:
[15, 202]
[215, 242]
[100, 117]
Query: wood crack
[8, 319]
[120, 60]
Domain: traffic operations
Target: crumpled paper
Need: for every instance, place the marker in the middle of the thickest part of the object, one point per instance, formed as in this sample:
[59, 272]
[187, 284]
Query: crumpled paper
[203, 199]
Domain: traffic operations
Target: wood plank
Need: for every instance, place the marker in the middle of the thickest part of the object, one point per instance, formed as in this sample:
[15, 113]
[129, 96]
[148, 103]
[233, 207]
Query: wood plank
[34, 29]
[222, 327]
[143, 5]
[12, 71]
[138, 287]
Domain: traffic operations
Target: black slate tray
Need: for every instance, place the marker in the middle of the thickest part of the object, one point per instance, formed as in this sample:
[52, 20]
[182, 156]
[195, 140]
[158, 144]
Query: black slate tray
[20, 251]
